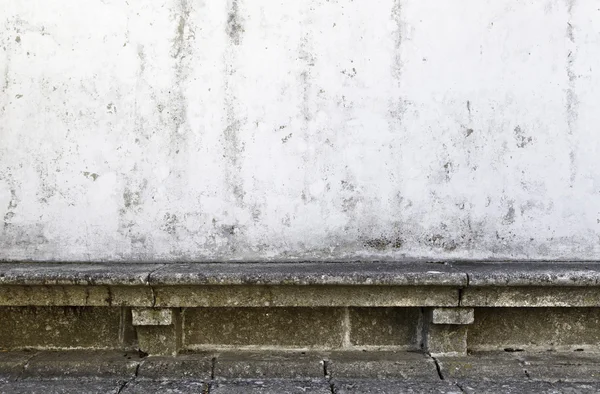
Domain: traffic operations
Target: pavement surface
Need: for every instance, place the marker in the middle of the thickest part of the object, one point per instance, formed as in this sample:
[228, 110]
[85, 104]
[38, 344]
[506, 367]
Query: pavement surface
[299, 372]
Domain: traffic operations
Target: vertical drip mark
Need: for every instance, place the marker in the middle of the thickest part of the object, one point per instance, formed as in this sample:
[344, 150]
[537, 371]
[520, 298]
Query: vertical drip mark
[233, 147]
[307, 57]
[397, 18]
[396, 110]
[181, 51]
[571, 99]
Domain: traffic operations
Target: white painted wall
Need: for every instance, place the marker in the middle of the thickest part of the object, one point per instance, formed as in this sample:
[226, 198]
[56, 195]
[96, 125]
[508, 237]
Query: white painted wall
[260, 129]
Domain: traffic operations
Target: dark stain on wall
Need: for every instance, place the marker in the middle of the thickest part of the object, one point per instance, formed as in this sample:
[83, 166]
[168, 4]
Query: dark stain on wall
[572, 101]
[12, 205]
[522, 139]
[235, 29]
[233, 147]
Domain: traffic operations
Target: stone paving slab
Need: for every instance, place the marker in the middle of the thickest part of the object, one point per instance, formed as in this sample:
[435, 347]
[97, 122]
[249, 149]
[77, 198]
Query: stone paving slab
[261, 365]
[271, 387]
[79, 386]
[525, 387]
[80, 363]
[12, 364]
[495, 366]
[382, 365]
[576, 388]
[185, 366]
[362, 386]
[166, 387]
[562, 367]
[278, 386]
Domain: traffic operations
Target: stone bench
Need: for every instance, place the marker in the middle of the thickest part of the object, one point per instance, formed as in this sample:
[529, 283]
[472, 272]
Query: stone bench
[152, 298]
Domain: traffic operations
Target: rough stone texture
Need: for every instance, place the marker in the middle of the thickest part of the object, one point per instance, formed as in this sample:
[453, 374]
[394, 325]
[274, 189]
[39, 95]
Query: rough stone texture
[58, 295]
[358, 386]
[452, 316]
[76, 274]
[283, 327]
[167, 387]
[479, 387]
[318, 129]
[310, 273]
[152, 317]
[77, 364]
[159, 340]
[61, 327]
[307, 296]
[531, 297]
[183, 366]
[496, 366]
[576, 388]
[91, 386]
[535, 328]
[264, 365]
[446, 339]
[11, 364]
[385, 327]
[271, 387]
[381, 365]
[364, 296]
[561, 367]
[531, 273]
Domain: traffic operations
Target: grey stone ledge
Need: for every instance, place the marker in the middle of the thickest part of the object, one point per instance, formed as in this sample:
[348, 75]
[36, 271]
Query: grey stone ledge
[452, 274]
[251, 273]
[568, 274]
[87, 274]
[310, 273]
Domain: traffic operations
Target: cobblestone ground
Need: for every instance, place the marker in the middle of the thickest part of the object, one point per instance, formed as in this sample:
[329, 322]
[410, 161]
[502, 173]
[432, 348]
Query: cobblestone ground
[299, 372]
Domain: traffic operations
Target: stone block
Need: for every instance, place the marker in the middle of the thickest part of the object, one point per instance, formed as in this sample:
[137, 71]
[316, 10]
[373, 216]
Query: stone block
[543, 296]
[385, 327]
[381, 365]
[446, 339]
[304, 296]
[452, 316]
[161, 339]
[265, 365]
[62, 328]
[366, 296]
[279, 327]
[535, 329]
[76, 295]
[152, 317]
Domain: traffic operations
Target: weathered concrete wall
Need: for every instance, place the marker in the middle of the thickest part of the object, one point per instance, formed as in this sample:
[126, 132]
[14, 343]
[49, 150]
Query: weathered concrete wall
[242, 129]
